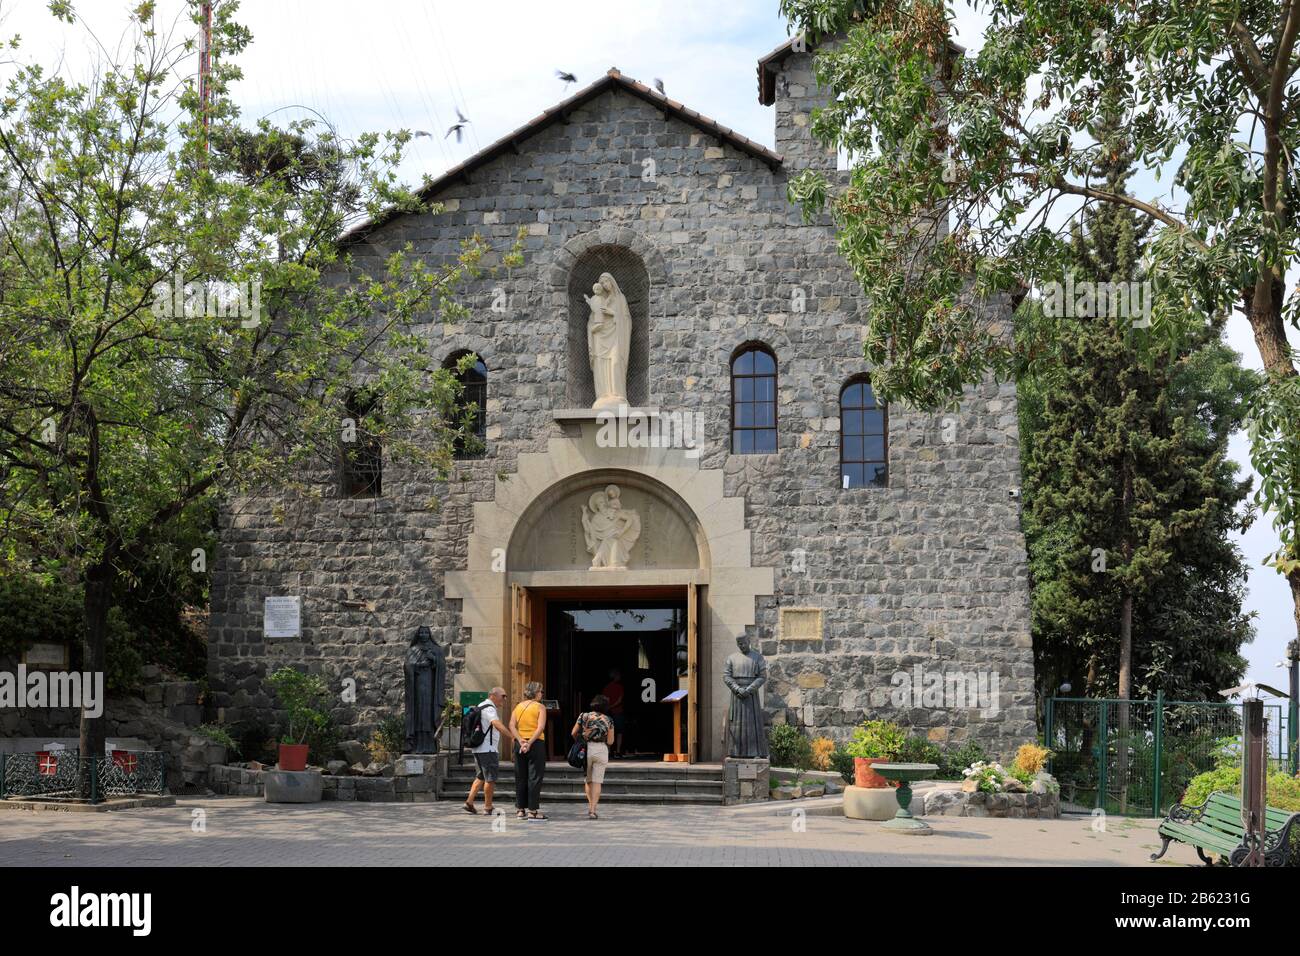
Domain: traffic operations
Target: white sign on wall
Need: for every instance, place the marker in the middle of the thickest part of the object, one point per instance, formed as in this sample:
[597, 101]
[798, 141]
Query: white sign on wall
[282, 617]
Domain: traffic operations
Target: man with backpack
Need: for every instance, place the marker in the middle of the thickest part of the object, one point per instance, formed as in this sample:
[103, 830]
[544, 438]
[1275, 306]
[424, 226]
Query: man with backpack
[482, 731]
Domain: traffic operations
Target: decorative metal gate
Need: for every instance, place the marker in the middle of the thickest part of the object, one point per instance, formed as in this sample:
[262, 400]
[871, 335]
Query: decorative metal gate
[1135, 757]
[64, 775]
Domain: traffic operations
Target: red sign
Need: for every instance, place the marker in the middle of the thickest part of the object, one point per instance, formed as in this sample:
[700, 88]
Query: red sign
[125, 760]
[47, 763]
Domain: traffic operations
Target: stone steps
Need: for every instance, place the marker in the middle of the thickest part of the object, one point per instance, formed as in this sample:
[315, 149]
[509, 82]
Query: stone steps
[626, 784]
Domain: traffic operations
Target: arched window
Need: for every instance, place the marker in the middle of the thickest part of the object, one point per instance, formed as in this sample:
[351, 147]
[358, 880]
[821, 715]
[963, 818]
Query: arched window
[753, 401]
[361, 453]
[864, 437]
[471, 406]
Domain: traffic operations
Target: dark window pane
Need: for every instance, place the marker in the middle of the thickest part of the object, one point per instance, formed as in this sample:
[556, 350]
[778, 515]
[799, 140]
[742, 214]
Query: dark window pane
[852, 449]
[851, 476]
[868, 398]
[765, 415]
[765, 389]
[875, 448]
[765, 441]
[852, 423]
[879, 475]
[744, 389]
[873, 422]
[744, 364]
[745, 415]
[764, 363]
[852, 396]
[742, 442]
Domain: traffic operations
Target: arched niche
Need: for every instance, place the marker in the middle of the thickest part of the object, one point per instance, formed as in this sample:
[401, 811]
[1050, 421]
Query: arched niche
[629, 271]
[549, 537]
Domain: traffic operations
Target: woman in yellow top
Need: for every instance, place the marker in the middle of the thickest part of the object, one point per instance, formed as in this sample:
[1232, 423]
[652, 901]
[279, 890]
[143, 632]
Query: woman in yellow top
[528, 726]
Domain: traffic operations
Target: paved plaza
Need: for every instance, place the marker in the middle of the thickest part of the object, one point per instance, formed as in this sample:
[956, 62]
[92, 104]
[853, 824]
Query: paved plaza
[248, 832]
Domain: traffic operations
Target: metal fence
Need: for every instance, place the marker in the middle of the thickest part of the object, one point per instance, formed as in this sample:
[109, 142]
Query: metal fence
[65, 775]
[1135, 757]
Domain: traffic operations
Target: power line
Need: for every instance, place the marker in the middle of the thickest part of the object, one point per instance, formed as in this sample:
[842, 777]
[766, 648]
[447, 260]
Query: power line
[453, 80]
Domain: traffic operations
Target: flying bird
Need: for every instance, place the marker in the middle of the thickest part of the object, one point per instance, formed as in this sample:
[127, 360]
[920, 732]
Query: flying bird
[659, 85]
[458, 127]
[566, 77]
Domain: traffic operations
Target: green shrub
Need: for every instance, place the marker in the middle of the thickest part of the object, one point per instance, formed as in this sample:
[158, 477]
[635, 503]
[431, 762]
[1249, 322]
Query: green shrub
[917, 749]
[956, 760]
[1283, 790]
[219, 735]
[302, 696]
[788, 748]
[877, 738]
[842, 763]
[389, 738]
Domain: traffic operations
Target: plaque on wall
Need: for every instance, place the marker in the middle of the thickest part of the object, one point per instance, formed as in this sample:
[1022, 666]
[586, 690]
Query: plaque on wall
[282, 617]
[47, 655]
[800, 624]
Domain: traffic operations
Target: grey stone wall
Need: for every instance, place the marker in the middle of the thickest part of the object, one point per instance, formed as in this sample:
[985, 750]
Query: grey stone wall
[930, 570]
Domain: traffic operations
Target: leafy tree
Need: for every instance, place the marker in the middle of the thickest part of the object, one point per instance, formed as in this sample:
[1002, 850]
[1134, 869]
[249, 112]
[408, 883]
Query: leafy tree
[131, 392]
[939, 216]
[1129, 496]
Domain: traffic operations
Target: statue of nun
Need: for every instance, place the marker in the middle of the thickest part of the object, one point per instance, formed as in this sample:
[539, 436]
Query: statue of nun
[425, 672]
[744, 674]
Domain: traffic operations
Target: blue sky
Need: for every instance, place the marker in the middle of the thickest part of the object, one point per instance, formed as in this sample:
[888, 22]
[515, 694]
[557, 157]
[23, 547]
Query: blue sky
[391, 64]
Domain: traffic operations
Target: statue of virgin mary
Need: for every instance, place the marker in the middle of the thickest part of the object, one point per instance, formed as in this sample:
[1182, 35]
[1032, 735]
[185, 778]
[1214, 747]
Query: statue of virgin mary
[609, 339]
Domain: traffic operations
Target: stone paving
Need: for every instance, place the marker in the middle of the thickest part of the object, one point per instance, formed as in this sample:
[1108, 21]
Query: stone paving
[248, 832]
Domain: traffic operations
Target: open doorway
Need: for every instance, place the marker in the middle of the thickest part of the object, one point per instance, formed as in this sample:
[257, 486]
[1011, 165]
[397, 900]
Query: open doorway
[636, 650]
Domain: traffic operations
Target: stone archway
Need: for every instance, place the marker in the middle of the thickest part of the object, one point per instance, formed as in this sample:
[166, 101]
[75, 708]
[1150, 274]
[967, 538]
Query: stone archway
[499, 555]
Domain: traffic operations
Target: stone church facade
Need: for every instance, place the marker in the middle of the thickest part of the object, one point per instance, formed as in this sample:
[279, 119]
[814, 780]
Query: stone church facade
[855, 581]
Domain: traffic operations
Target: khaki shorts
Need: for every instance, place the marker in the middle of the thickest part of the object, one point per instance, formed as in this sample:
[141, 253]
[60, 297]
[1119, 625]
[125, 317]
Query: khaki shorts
[597, 760]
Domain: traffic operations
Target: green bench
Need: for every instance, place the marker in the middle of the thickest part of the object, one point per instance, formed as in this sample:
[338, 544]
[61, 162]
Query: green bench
[1215, 826]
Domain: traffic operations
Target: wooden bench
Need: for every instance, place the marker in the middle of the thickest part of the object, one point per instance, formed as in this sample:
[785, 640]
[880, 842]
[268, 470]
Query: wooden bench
[1215, 826]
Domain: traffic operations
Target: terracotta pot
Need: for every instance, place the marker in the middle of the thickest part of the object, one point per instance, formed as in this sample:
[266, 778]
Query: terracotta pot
[293, 757]
[864, 776]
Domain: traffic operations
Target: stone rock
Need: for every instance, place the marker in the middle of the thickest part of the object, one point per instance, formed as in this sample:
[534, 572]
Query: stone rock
[785, 792]
[1012, 785]
[817, 790]
[1043, 783]
[354, 752]
[336, 768]
[970, 785]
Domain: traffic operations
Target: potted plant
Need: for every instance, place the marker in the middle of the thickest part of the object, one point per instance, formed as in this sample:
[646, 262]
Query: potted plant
[300, 694]
[874, 741]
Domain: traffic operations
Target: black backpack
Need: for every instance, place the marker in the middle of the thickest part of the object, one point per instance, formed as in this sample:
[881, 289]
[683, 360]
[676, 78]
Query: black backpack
[473, 718]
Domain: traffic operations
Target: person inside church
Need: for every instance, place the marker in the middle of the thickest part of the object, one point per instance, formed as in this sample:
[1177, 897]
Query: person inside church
[613, 692]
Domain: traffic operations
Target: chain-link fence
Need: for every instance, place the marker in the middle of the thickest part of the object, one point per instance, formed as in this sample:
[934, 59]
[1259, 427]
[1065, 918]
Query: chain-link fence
[1135, 757]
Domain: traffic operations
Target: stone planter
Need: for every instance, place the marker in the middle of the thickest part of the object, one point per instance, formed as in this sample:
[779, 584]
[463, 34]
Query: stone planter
[290, 786]
[949, 800]
[870, 803]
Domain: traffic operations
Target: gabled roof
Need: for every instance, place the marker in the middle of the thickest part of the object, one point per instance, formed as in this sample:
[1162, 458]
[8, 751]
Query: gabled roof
[770, 65]
[613, 80]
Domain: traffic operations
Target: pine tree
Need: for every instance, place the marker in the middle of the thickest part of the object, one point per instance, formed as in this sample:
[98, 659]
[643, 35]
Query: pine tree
[1129, 495]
